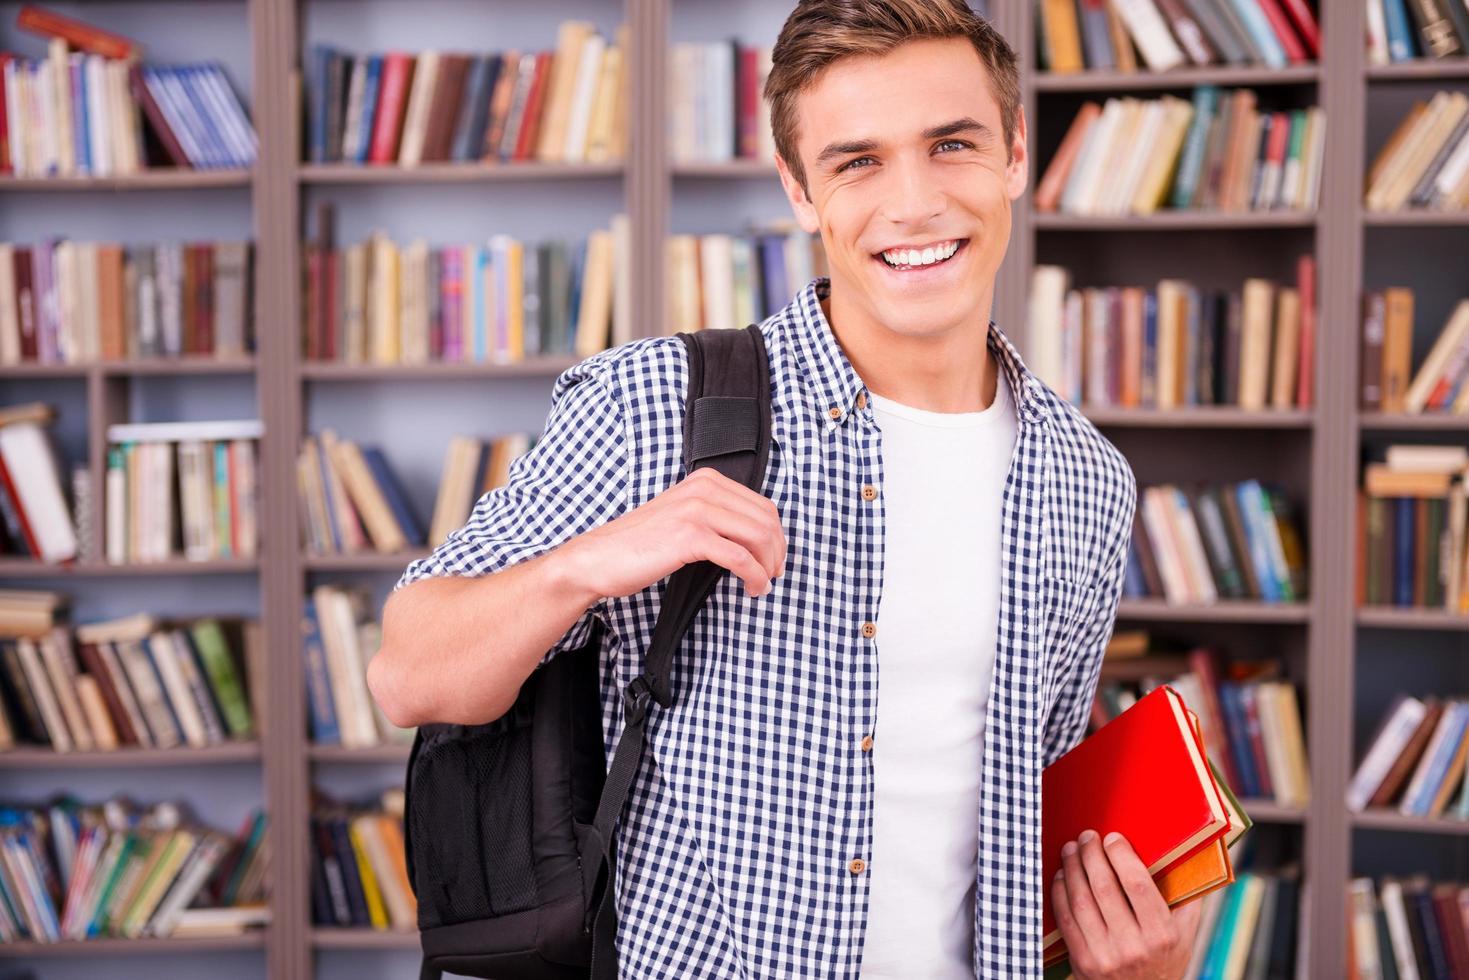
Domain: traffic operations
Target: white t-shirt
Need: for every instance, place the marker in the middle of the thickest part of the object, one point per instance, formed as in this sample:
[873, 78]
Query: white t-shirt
[943, 478]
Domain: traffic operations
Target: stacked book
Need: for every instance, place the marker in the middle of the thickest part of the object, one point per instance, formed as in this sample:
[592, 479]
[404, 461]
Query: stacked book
[74, 871]
[350, 499]
[1407, 927]
[182, 489]
[131, 682]
[472, 468]
[1425, 162]
[30, 612]
[67, 302]
[35, 514]
[359, 872]
[1387, 381]
[340, 637]
[1201, 544]
[1402, 30]
[1412, 511]
[720, 281]
[501, 300]
[80, 111]
[1416, 759]
[1251, 716]
[716, 109]
[1146, 775]
[1217, 152]
[1096, 34]
[1175, 345]
[568, 105]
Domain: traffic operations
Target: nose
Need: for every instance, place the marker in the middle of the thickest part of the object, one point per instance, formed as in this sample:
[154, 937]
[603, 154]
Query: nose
[914, 195]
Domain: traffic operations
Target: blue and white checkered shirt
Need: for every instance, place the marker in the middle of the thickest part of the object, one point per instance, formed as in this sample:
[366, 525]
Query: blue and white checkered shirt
[736, 852]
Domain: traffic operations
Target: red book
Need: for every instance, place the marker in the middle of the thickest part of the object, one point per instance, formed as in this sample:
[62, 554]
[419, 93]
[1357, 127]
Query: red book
[392, 103]
[1144, 775]
[1306, 286]
[27, 303]
[82, 36]
[535, 98]
[1295, 52]
[749, 102]
[1305, 22]
[155, 117]
[5, 164]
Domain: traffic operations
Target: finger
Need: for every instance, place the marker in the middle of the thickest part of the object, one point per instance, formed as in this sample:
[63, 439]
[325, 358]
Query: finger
[1071, 932]
[767, 532]
[751, 533]
[1107, 891]
[1083, 904]
[1148, 903]
[712, 546]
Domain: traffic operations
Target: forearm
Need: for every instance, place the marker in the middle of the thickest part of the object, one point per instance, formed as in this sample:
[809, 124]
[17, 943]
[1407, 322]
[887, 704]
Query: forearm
[458, 649]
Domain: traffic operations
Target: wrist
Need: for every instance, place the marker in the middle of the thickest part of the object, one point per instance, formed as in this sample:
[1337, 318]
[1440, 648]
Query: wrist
[567, 578]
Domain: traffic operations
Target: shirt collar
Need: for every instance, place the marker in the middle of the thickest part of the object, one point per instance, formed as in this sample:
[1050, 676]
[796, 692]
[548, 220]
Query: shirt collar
[837, 384]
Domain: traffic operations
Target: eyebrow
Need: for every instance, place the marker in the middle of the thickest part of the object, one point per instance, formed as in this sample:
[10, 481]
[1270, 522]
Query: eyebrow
[846, 147]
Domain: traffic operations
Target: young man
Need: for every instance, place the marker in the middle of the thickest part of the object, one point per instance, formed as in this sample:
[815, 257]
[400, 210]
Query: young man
[848, 784]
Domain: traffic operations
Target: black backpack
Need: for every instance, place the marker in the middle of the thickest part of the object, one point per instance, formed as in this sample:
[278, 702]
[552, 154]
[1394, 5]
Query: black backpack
[509, 825]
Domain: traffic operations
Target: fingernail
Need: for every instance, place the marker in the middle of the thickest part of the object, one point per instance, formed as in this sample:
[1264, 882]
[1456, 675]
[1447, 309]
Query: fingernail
[1112, 838]
[1068, 849]
[1059, 874]
[1086, 836]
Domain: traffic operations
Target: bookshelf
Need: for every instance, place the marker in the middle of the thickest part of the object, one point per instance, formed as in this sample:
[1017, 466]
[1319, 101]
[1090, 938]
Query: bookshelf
[1340, 655]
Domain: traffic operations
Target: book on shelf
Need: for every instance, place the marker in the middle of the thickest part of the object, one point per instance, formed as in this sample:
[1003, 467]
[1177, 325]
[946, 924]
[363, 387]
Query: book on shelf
[1218, 151]
[1406, 926]
[131, 682]
[1424, 165]
[30, 612]
[1405, 30]
[1415, 760]
[75, 871]
[359, 868]
[723, 281]
[500, 301]
[716, 111]
[1202, 544]
[1438, 386]
[1411, 514]
[73, 302]
[1253, 729]
[182, 489]
[339, 637]
[472, 468]
[563, 105]
[35, 514]
[1176, 345]
[351, 500]
[1078, 35]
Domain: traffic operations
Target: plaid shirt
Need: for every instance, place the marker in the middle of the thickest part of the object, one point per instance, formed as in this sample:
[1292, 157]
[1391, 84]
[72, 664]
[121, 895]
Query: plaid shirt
[742, 851]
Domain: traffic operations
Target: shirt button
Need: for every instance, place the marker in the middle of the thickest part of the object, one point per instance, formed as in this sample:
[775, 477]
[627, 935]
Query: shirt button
[834, 412]
[869, 492]
[861, 399]
[867, 743]
[857, 866]
[869, 630]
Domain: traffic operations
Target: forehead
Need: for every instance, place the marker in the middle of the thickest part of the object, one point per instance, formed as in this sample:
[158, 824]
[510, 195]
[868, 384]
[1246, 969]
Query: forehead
[897, 94]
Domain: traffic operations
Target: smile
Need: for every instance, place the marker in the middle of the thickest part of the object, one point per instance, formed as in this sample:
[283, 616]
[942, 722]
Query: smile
[921, 257]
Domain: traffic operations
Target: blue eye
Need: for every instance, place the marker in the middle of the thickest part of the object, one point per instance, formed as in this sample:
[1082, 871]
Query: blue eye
[851, 162]
[959, 143]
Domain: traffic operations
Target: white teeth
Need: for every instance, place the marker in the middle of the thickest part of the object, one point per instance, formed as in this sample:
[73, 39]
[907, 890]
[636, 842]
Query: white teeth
[927, 256]
[914, 257]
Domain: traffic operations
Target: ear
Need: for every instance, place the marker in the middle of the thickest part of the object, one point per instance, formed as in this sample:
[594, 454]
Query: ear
[1017, 171]
[804, 210]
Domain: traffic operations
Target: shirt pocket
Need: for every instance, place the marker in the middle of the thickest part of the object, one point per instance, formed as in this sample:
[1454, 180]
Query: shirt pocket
[1067, 609]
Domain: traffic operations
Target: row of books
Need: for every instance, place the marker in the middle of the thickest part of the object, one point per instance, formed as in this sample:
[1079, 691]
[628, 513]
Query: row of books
[1415, 760]
[1425, 162]
[129, 682]
[350, 500]
[1201, 544]
[1407, 927]
[1402, 30]
[1251, 716]
[1412, 512]
[1100, 34]
[1175, 345]
[1251, 928]
[1387, 381]
[182, 489]
[342, 635]
[71, 302]
[716, 110]
[74, 871]
[567, 105]
[359, 868]
[35, 511]
[720, 281]
[501, 300]
[1219, 152]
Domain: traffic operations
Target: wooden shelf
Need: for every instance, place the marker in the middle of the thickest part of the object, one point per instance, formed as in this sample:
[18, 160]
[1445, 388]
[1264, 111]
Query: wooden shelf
[367, 756]
[326, 937]
[1225, 611]
[1103, 81]
[1268, 811]
[734, 169]
[1172, 220]
[254, 939]
[1199, 417]
[1416, 219]
[450, 173]
[33, 757]
[133, 367]
[1385, 818]
[150, 180]
[1420, 69]
[1392, 617]
[1403, 422]
[532, 367]
[27, 568]
[369, 562]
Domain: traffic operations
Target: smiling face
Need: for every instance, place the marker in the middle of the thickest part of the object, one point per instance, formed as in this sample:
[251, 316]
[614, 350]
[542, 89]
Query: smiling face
[910, 186]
